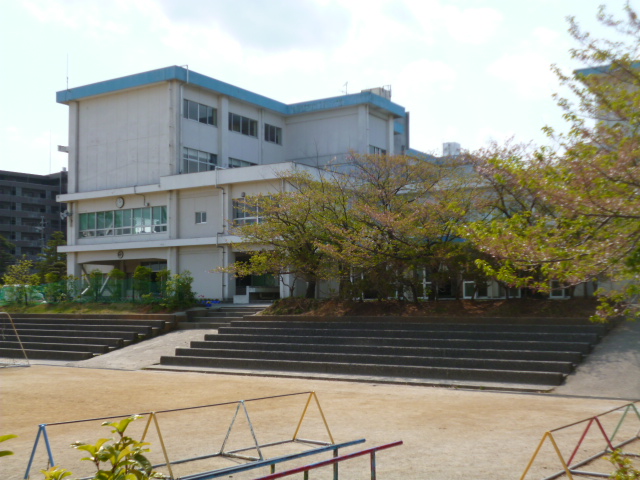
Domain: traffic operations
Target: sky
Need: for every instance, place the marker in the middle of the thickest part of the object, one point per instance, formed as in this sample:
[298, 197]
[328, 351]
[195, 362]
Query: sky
[468, 71]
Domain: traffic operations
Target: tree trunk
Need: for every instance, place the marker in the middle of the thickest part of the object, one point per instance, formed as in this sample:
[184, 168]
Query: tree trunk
[311, 289]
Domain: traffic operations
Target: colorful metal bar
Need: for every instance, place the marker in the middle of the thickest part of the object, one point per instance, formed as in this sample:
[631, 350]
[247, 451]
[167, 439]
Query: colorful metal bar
[272, 462]
[331, 461]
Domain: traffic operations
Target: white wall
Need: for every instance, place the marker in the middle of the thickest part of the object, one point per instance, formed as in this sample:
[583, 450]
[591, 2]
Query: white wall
[321, 135]
[200, 261]
[124, 138]
[200, 200]
[378, 132]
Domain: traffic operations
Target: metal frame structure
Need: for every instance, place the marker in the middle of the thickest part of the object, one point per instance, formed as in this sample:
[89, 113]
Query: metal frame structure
[334, 461]
[568, 467]
[24, 352]
[237, 454]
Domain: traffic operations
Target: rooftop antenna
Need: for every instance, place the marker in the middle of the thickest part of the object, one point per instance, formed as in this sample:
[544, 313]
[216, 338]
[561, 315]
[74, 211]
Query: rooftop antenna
[49, 151]
[67, 71]
[346, 86]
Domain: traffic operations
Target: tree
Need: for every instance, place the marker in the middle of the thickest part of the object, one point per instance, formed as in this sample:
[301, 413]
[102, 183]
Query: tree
[590, 184]
[290, 227]
[21, 278]
[6, 255]
[372, 227]
[50, 259]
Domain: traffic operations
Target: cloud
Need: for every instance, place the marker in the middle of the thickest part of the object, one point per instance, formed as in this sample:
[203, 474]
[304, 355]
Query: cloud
[472, 25]
[291, 25]
[528, 74]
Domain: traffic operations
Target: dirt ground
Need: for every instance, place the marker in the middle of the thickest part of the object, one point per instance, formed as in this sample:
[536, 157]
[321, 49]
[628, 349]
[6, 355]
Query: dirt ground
[447, 433]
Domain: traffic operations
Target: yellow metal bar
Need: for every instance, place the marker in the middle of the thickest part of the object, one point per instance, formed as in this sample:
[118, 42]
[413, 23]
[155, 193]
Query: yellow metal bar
[304, 412]
[323, 418]
[146, 428]
[564, 464]
[555, 446]
[164, 449]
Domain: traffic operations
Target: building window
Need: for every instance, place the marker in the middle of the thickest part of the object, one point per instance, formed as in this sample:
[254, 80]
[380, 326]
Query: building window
[237, 163]
[243, 125]
[245, 214]
[194, 161]
[272, 134]
[377, 150]
[200, 113]
[201, 217]
[131, 221]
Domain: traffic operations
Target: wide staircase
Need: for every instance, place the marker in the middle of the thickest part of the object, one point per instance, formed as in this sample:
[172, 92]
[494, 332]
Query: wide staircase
[76, 337]
[524, 351]
[220, 316]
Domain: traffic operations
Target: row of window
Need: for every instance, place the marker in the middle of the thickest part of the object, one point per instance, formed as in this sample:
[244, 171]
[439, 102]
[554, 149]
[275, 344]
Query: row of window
[199, 112]
[194, 161]
[131, 221]
[237, 123]
[243, 125]
[244, 214]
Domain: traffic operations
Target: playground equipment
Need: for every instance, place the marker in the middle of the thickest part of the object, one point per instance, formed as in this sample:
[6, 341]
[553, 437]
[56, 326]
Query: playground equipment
[153, 420]
[571, 466]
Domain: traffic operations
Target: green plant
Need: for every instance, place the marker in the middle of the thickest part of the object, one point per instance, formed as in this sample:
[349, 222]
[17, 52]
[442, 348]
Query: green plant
[55, 473]
[119, 458]
[142, 280]
[117, 277]
[3, 438]
[624, 467]
[95, 284]
[178, 292]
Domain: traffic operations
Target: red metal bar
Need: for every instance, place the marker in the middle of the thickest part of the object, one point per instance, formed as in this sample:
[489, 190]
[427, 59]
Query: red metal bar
[584, 434]
[599, 415]
[331, 461]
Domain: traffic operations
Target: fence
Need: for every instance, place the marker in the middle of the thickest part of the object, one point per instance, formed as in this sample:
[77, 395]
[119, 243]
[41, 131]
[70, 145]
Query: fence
[611, 442]
[153, 420]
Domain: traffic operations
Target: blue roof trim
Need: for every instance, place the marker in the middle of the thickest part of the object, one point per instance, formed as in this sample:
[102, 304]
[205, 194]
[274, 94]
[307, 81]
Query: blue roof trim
[412, 152]
[398, 127]
[599, 70]
[182, 74]
[347, 101]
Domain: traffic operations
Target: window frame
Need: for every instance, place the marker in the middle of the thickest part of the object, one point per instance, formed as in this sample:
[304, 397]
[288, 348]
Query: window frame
[243, 125]
[272, 134]
[201, 218]
[199, 112]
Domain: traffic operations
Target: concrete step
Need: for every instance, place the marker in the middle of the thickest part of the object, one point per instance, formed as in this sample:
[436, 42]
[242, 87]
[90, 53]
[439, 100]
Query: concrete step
[578, 347]
[216, 342]
[421, 334]
[95, 349]
[202, 324]
[87, 327]
[514, 376]
[599, 329]
[397, 360]
[110, 342]
[46, 354]
[125, 336]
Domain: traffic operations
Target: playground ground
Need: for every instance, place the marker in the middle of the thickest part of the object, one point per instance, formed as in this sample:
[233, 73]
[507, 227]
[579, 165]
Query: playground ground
[447, 433]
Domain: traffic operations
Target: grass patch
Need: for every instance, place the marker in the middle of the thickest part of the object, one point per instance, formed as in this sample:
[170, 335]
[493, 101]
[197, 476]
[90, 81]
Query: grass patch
[85, 307]
[571, 308]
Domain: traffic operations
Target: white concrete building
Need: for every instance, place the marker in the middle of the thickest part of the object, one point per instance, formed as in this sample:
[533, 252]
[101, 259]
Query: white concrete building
[156, 160]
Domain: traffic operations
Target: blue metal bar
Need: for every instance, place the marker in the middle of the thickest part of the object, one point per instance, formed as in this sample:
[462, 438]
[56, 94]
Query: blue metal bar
[33, 452]
[224, 472]
[48, 445]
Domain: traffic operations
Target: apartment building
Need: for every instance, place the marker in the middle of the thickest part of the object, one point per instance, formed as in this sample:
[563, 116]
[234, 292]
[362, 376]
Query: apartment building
[29, 211]
[157, 161]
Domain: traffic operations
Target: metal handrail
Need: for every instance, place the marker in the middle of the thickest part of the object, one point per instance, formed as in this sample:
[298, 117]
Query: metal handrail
[332, 461]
